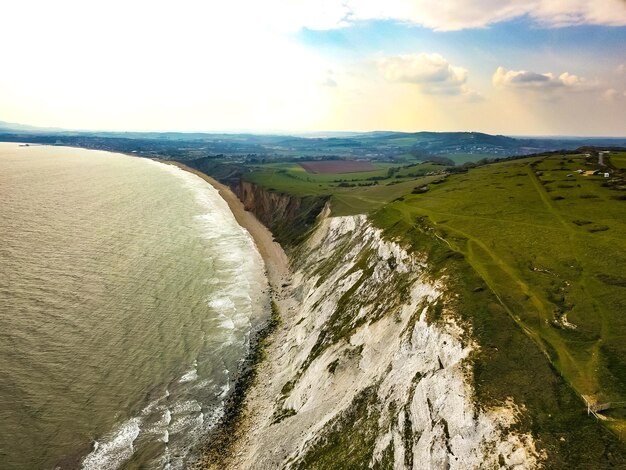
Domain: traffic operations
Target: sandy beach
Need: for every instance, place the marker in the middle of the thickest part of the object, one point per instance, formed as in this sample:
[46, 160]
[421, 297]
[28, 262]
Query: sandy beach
[235, 442]
[276, 261]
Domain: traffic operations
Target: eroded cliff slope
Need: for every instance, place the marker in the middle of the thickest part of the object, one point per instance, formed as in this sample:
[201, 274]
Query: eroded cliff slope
[289, 217]
[371, 368]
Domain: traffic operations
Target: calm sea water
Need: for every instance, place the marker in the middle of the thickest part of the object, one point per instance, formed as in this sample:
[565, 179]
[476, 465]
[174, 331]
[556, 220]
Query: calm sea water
[127, 296]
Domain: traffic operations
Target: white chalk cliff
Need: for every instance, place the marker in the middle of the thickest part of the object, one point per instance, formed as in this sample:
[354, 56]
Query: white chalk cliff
[358, 354]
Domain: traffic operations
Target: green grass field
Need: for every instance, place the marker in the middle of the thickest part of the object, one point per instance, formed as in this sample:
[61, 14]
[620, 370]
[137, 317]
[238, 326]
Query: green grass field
[552, 245]
[618, 160]
[460, 158]
[361, 195]
[293, 179]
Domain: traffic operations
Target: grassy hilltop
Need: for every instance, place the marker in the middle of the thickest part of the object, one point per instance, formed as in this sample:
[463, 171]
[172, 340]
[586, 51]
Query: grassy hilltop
[548, 241]
[551, 244]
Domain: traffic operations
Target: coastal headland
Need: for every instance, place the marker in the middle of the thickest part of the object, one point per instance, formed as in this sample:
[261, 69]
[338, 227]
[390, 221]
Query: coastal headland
[354, 371]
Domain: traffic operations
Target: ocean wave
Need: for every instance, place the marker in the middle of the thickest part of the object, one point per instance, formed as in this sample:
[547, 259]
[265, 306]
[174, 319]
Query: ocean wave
[235, 283]
[189, 376]
[222, 303]
[115, 450]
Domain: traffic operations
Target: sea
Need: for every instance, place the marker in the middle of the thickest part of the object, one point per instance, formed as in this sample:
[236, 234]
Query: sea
[128, 297]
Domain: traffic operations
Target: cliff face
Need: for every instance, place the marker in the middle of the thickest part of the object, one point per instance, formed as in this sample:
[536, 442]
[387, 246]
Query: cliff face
[371, 367]
[288, 217]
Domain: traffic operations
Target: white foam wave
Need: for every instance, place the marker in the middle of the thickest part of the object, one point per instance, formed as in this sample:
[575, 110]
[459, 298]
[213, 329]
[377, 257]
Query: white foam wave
[222, 303]
[189, 376]
[188, 424]
[114, 451]
[224, 390]
[188, 406]
[228, 324]
[154, 405]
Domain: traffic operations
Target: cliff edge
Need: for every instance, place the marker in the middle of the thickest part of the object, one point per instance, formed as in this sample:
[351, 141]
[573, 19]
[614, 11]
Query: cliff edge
[393, 353]
[361, 371]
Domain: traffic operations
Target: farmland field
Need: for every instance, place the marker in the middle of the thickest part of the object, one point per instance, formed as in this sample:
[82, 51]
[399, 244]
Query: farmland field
[618, 160]
[351, 193]
[337, 166]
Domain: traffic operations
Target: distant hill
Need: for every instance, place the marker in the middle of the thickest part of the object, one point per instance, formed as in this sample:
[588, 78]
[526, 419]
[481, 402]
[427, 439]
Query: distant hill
[393, 146]
[13, 127]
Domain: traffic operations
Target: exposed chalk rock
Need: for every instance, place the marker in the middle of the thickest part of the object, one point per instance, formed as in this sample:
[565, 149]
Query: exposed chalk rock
[360, 323]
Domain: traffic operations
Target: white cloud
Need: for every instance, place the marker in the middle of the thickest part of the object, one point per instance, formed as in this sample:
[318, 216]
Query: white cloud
[613, 95]
[329, 79]
[447, 15]
[146, 64]
[621, 68]
[431, 72]
[577, 12]
[540, 82]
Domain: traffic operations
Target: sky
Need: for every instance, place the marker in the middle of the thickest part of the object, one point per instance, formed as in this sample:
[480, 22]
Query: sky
[514, 67]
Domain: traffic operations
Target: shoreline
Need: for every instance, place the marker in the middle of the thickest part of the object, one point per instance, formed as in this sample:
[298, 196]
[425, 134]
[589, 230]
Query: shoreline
[223, 445]
[275, 269]
[220, 445]
[274, 257]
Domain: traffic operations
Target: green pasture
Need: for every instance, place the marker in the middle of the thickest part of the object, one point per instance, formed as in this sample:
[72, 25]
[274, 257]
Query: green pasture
[419, 169]
[551, 244]
[618, 160]
[288, 173]
[461, 158]
[345, 200]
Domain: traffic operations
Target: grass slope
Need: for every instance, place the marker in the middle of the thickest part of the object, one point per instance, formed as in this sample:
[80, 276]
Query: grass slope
[351, 193]
[551, 244]
[508, 362]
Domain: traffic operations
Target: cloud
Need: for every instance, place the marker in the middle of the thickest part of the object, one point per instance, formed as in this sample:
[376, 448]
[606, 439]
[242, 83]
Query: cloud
[621, 68]
[449, 15]
[613, 95]
[471, 95]
[431, 72]
[540, 82]
[329, 80]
